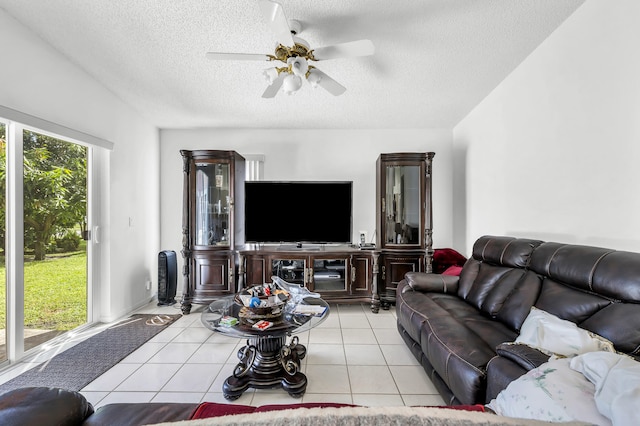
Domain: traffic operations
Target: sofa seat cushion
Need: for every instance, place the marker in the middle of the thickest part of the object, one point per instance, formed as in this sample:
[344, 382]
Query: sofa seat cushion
[455, 337]
[459, 355]
[492, 332]
[416, 307]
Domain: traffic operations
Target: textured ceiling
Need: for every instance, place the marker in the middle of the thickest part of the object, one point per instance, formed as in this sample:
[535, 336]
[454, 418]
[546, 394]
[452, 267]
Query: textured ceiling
[434, 60]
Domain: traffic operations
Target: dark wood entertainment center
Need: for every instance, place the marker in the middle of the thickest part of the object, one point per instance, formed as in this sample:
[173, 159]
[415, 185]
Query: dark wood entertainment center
[217, 262]
[339, 273]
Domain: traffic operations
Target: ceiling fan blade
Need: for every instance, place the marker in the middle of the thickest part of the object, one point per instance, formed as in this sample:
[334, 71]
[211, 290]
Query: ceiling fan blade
[345, 50]
[273, 89]
[237, 56]
[317, 77]
[277, 20]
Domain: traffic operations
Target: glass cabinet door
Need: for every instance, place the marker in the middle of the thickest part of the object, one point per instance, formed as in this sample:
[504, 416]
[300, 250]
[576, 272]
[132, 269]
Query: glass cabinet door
[293, 271]
[213, 202]
[402, 205]
[329, 275]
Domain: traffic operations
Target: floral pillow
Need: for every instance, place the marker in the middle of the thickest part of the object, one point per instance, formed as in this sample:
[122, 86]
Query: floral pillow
[553, 335]
[552, 392]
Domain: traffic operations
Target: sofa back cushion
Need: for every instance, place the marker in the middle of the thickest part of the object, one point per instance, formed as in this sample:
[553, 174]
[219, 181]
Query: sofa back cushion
[597, 288]
[517, 299]
[496, 282]
[572, 265]
[502, 254]
[507, 251]
[617, 276]
[569, 303]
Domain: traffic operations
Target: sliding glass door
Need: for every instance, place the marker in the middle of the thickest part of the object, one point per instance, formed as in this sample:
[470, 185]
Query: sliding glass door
[55, 255]
[43, 231]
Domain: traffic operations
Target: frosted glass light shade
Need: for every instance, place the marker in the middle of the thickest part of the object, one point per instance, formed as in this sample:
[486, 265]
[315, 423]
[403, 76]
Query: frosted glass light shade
[291, 84]
[270, 74]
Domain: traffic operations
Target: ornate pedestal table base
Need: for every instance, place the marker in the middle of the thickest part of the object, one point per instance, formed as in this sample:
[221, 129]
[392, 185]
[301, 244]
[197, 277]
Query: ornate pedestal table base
[265, 363]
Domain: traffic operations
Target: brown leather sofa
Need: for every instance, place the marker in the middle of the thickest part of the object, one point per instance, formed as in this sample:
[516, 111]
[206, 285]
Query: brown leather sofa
[54, 406]
[33, 406]
[457, 327]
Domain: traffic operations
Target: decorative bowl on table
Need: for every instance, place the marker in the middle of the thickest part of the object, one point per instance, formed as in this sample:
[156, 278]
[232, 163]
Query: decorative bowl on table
[266, 299]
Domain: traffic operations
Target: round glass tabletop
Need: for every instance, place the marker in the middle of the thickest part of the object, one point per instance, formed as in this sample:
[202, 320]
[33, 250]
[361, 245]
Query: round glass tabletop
[228, 317]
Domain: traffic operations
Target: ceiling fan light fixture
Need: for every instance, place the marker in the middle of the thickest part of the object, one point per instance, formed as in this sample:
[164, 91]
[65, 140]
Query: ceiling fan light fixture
[270, 74]
[295, 55]
[314, 78]
[298, 65]
[291, 84]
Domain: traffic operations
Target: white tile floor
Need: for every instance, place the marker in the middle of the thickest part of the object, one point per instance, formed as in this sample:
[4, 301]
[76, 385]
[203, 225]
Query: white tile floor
[354, 357]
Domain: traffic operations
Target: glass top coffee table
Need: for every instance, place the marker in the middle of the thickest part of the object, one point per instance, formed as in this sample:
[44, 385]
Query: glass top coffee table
[267, 361]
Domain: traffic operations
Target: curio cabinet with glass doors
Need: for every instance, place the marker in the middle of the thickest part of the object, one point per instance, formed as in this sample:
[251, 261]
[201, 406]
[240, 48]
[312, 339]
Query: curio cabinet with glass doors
[212, 224]
[404, 218]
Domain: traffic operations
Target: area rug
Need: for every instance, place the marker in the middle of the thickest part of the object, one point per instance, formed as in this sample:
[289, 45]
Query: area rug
[81, 364]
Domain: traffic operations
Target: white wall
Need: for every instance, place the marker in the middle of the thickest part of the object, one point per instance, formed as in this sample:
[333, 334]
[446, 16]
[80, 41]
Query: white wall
[553, 151]
[35, 79]
[311, 155]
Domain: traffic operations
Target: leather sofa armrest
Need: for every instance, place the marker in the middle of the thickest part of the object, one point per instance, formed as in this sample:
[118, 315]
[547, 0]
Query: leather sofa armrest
[523, 355]
[421, 281]
[500, 372]
[513, 360]
[43, 406]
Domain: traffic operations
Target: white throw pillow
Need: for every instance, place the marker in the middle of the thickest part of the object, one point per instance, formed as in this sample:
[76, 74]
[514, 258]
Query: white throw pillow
[551, 334]
[552, 392]
[617, 384]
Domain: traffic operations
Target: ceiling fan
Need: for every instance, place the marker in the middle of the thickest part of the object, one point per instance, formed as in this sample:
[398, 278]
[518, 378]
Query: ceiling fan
[296, 55]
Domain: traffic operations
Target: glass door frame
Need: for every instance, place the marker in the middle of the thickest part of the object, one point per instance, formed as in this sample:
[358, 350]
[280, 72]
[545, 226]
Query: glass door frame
[14, 249]
[387, 203]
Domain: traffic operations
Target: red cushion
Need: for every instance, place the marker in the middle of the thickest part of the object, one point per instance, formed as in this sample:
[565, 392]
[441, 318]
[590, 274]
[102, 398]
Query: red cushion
[453, 270]
[477, 407]
[214, 409]
[277, 407]
[445, 257]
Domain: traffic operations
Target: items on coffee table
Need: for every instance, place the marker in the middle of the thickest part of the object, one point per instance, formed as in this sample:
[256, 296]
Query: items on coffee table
[263, 299]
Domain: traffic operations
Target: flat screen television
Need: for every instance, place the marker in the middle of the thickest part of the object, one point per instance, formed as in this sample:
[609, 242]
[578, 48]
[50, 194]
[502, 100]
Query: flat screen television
[298, 212]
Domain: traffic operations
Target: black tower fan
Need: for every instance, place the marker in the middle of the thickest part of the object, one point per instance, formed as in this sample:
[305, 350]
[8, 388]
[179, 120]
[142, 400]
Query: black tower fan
[167, 277]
